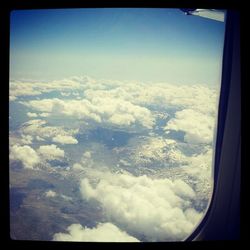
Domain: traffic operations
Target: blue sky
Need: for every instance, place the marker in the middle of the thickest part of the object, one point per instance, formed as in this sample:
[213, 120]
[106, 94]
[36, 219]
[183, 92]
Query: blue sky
[122, 44]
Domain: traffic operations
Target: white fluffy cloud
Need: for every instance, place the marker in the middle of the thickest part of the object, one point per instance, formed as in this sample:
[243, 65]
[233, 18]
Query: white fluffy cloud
[44, 114]
[104, 232]
[35, 115]
[198, 127]
[77, 167]
[200, 165]
[24, 88]
[117, 112]
[65, 139]
[30, 114]
[50, 152]
[50, 194]
[26, 154]
[18, 88]
[159, 209]
[26, 139]
[12, 98]
[40, 130]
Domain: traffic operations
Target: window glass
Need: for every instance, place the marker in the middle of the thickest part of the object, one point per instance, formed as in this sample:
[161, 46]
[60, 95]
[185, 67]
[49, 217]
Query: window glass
[112, 122]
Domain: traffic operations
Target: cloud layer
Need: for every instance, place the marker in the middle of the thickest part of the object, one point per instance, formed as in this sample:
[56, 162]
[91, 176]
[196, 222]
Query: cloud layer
[159, 206]
[123, 104]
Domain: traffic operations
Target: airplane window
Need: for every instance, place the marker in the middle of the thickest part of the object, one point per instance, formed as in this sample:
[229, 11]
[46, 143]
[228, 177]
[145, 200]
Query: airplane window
[112, 122]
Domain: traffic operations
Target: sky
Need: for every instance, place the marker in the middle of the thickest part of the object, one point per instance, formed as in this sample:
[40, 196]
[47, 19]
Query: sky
[118, 43]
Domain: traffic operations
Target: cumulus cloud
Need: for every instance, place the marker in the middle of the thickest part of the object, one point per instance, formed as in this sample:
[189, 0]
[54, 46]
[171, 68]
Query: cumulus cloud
[44, 114]
[26, 88]
[26, 154]
[30, 114]
[40, 130]
[87, 155]
[198, 127]
[18, 88]
[67, 198]
[26, 139]
[50, 152]
[86, 161]
[200, 165]
[12, 98]
[77, 167]
[50, 194]
[117, 112]
[65, 94]
[65, 139]
[158, 209]
[103, 232]
[38, 138]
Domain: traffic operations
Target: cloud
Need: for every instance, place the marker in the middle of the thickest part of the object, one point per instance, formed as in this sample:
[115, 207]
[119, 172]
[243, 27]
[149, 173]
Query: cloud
[86, 161]
[50, 194]
[50, 152]
[200, 165]
[18, 88]
[31, 88]
[87, 155]
[35, 115]
[198, 127]
[44, 114]
[40, 130]
[103, 232]
[12, 98]
[65, 94]
[109, 111]
[158, 209]
[29, 114]
[65, 139]
[77, 166]
[26, 139]
[26, 154]
[120, 112]
[67, 198]
[38, 138]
